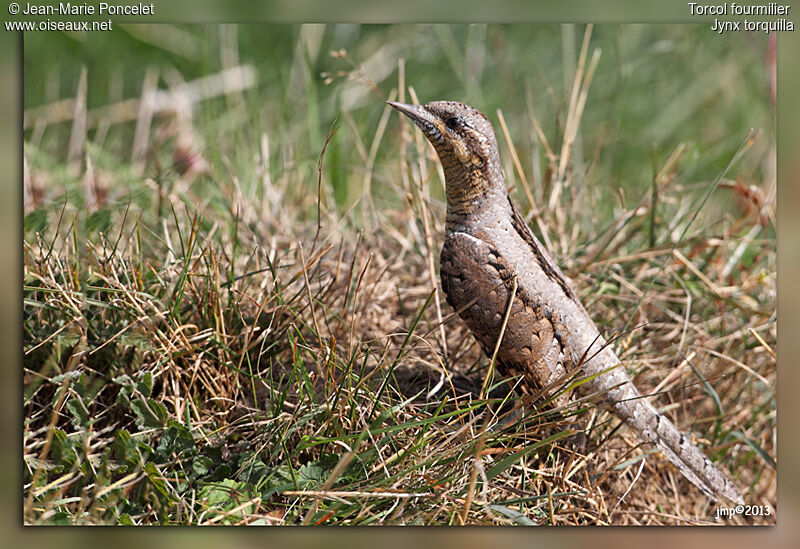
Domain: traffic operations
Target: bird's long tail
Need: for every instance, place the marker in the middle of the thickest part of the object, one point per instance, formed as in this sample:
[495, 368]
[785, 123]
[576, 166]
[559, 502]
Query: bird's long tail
[654, 427]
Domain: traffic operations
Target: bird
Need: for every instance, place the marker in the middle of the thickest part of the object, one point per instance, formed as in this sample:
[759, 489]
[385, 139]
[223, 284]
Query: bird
[500, 279]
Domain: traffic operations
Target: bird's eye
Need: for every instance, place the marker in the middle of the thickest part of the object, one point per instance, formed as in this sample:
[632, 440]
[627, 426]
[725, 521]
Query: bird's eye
[453, 122]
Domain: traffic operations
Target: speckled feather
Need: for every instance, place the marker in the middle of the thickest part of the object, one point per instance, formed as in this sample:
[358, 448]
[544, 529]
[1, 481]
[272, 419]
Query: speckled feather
[530, 347]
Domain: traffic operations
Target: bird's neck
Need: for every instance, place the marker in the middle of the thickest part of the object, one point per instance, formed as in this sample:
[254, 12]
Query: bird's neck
[474, 195]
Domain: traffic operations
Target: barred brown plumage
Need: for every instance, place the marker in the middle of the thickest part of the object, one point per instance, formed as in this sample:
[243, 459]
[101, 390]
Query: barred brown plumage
[548, 333]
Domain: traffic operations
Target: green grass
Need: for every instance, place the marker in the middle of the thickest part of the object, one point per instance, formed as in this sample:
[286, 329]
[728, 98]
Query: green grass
[223, 325]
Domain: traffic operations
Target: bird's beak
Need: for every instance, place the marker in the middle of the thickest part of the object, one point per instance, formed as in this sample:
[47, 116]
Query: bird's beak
[414, 112]
[426, 121]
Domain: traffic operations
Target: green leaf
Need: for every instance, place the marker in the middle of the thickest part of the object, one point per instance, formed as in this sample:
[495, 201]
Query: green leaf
[80, 416]
[177, 440]
[222, 472]
[125, 390]
[226, 492]
[156, 479]
[61, 518]
[150, 413]
[145, 384]
[202, 465]
[253, 470]
[63, 449]
[125, 449]
[312, 475]
[279, 480]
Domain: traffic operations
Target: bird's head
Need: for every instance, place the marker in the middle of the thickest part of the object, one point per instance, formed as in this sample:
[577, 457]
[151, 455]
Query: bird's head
[462, 136]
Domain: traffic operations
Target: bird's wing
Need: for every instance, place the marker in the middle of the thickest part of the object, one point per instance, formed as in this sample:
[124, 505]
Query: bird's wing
[479, 284]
